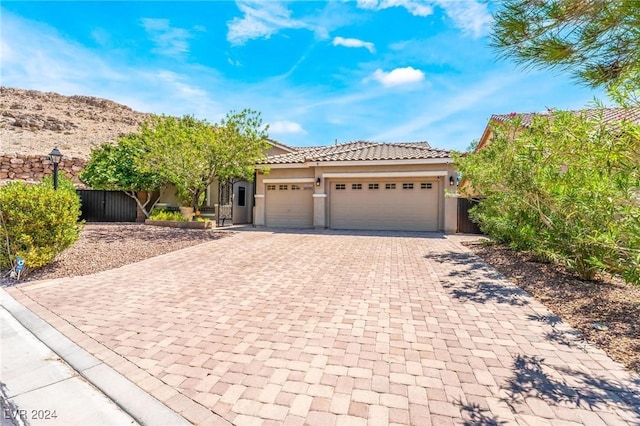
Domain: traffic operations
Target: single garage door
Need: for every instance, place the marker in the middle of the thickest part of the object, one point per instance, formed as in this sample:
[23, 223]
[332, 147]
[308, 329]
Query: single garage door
[406, 205]
[289, 205]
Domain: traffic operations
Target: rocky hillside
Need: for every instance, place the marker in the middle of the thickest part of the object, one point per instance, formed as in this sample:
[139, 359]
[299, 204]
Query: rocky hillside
[33, 122]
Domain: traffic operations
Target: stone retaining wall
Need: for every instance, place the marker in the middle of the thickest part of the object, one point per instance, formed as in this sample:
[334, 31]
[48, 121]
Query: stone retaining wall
[35, 167]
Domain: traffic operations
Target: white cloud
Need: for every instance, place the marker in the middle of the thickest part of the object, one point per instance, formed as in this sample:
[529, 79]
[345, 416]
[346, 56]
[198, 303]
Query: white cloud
[285, 127]
[262, 19]
[169, 40]
[398, 76]
[415, 7]
[354, 42]
[471, 16]
[454, 103]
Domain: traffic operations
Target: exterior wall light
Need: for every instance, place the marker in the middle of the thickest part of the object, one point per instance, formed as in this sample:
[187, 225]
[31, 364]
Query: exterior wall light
[451, 181]
[55, 156]
[318, 182]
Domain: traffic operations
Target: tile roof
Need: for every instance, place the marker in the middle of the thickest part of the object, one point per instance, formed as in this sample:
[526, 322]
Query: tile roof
[608, 114]
[282, 146]
[360, 151]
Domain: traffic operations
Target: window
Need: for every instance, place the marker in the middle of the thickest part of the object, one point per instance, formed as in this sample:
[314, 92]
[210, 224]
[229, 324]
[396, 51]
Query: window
[271, 187]
[356, 186]
[425, 185]
[283, 187]
[407, 186]
[242, 196]
[307, 186]
[296, 187]
[389, 186]
[341, 186]
[374, 186]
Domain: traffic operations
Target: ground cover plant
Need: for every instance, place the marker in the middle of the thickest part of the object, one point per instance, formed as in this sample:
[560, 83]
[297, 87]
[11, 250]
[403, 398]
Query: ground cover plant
[567, 189]
[163, 214]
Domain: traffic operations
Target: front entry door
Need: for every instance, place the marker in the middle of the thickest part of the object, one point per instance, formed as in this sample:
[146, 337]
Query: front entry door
[241, 203]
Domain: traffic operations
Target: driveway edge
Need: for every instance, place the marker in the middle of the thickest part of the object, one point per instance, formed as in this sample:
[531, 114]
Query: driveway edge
[136, 402]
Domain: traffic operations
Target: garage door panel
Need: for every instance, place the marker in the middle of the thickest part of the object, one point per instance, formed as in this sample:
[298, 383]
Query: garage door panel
[413, 206]
[287, 207]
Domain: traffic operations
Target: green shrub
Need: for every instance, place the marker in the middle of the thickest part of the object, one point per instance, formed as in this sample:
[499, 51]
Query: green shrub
[567, 189]
[162, 214]
[36, 222]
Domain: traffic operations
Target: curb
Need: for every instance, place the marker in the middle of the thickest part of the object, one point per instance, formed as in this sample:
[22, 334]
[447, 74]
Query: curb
[144, 408]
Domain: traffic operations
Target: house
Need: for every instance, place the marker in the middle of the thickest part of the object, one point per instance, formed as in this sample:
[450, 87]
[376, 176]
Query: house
[609, 115]
[358, 185]
[230, 201]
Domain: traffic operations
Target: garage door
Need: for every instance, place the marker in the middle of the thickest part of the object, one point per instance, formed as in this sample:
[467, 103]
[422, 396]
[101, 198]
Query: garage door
[289, 205]
[408, 205]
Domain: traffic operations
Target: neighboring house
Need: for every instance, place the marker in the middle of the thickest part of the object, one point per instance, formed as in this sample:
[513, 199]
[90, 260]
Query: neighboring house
[609, 115]
[358, 185]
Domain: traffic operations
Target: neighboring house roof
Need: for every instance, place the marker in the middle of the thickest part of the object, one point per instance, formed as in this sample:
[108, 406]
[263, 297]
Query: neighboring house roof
[360, 151]
[282, 146]
[609, 115]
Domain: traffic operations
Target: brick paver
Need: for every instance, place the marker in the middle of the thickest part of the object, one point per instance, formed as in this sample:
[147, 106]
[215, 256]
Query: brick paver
[337, 328]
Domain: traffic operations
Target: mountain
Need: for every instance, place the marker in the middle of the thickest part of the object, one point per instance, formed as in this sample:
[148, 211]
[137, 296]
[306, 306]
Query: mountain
[33, 122]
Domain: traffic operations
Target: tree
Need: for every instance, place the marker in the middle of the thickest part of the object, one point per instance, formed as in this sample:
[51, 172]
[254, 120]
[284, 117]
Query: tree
[597, 40]
[191, 154]
[566, 188]
[115, 168]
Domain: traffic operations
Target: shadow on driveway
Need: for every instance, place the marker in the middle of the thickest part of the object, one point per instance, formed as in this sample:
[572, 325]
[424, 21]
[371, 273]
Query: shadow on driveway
[531, 380]
[475, 281]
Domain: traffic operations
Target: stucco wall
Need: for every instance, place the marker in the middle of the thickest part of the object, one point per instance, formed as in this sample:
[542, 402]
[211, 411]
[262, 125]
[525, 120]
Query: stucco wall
[448, 205]
[36, 167]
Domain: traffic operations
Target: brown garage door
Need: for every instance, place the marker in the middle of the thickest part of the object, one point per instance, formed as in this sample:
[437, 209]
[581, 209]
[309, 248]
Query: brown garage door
[289, 205]
[407, 205]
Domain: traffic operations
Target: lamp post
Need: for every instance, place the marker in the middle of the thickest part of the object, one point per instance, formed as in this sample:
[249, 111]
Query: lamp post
[55, 157]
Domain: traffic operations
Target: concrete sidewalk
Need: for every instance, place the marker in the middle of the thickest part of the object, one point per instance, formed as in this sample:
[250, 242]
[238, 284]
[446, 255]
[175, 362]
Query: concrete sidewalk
[39, 387]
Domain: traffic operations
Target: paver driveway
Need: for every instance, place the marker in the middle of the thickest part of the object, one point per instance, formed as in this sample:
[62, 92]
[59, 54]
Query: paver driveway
[329, 328]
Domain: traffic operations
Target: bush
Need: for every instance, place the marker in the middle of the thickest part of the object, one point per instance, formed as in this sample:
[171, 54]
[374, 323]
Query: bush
[567, 189]
[162, 214]
[36, 222]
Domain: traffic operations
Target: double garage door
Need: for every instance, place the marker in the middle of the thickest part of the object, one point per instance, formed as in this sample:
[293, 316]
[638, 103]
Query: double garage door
[404, 205]
[409, 205]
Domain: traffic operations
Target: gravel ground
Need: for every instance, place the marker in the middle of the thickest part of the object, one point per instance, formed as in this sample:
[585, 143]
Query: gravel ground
[108, 246]
[608, 301]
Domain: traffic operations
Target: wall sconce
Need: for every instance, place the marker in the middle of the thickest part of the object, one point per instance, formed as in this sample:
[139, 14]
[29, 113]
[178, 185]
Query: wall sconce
[318, 182]
[451, 181]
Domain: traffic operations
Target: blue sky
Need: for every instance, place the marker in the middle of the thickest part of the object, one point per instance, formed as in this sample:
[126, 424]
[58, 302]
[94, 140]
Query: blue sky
[380, 70]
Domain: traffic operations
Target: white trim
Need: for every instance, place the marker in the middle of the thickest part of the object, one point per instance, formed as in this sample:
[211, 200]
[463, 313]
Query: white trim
[284, 166]
[291, 179]
[258, 196]
[367, 175]
[319, 195]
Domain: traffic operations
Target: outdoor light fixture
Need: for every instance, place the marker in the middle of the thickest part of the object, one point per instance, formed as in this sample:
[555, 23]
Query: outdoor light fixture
[318, 182]
[451, 181]
[55, 156]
